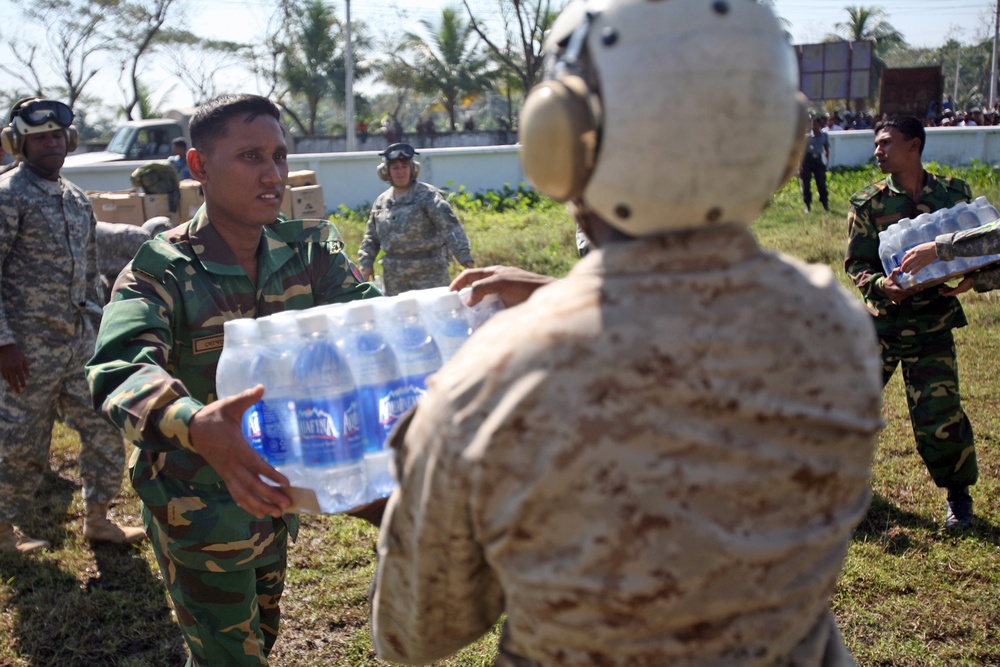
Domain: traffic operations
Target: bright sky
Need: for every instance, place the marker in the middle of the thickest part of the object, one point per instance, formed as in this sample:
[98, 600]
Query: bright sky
[922, 22]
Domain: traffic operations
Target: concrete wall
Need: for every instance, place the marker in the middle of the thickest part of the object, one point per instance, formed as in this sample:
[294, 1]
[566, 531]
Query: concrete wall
[350, 179]
[953, 146]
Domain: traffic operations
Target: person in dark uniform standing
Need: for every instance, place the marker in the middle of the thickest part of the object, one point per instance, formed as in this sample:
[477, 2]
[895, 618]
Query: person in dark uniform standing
[814, 165]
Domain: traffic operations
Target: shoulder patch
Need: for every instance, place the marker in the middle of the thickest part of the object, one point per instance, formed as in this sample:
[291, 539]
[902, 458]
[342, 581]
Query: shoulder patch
[156, 256]
[864, 195]
[307, 231]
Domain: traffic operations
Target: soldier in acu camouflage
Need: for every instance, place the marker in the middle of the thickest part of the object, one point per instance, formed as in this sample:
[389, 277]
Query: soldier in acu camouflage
[49, 313]
[414, 226]
[915, 326]
[218, 531]
[658, 461]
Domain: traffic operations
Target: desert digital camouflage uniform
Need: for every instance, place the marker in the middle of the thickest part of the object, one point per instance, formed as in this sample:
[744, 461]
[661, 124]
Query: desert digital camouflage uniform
[418, 231]
[50, 308]
[916, 332]
[664, 469]
[976, 242]
[154, 367]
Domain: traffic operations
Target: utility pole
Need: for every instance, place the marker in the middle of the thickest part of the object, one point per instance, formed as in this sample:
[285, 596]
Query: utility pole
[993, 70]
[958, 70]
[352, 137]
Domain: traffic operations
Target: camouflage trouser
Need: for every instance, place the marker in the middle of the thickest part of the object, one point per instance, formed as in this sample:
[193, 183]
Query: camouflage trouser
[940, 426]
[57, 386]
[227, 618]
[403, 275]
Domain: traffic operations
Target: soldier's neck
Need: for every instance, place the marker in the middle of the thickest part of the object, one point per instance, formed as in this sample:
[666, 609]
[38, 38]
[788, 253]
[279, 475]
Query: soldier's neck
[911, 180]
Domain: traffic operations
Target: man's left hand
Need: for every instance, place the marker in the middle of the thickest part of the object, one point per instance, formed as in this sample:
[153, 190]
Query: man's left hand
[893, 290]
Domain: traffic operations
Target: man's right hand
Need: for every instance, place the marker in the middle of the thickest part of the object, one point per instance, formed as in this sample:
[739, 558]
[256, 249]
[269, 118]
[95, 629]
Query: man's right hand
[368, 273]
[14, 367]
[894, 291]
[217, 435]
[511, 284]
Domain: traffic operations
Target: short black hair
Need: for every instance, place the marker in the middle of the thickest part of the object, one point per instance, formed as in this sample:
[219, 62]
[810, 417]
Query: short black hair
[179, 141]
[209, 120]
[908, 126]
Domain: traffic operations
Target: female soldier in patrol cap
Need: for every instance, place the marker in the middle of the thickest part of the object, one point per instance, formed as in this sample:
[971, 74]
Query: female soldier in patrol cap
[414, 226]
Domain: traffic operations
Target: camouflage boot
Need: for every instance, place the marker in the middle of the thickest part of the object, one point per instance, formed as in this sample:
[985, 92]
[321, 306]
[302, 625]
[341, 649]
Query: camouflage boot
[97, 527]
[14, 542]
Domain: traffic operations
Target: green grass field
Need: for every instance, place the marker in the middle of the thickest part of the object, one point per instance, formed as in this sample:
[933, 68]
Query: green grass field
[909, 595]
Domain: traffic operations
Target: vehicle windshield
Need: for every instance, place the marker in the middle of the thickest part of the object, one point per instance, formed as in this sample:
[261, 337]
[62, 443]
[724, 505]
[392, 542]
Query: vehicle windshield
[119, 143]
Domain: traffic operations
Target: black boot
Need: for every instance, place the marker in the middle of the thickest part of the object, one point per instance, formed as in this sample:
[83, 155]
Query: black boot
[959, 513]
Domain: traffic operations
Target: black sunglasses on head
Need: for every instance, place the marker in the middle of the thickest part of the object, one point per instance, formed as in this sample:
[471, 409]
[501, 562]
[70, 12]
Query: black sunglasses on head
[40, 112]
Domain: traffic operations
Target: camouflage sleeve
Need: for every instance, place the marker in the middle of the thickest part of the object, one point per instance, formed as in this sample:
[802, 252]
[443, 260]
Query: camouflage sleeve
[368, 250]
[862, 262]
[984, 240]
[334, 278]
[9, 223]
[987, 279]
[451, 230]
[434, 591]
[128, 373]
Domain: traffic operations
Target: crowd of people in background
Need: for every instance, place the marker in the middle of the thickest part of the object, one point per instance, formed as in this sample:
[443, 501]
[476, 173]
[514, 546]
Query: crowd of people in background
[945, 114]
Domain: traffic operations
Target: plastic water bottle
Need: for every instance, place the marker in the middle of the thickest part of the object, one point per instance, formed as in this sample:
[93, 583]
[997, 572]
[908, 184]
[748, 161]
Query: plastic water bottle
[272, 367]
[489, 306]
[450, 325]
[233, 376]
[329, 419]
[379, 384]
[415, 349]
[888, 247]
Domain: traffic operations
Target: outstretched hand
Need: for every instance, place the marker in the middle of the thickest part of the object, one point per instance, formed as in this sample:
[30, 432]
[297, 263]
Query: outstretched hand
[217, 435]
[511, 284]
[918, 257]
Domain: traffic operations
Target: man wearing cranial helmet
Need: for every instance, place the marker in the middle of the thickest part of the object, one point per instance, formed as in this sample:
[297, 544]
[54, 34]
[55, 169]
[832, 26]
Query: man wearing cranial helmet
[660, 459]
[414, 226]
[49, 315]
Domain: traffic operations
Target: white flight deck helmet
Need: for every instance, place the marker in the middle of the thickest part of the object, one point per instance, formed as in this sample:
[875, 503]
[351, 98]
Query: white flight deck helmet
[665, 114]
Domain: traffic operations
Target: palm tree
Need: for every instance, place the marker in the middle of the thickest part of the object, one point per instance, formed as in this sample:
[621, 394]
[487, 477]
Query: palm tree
[310, 56]
[869, 24]
[449, 64]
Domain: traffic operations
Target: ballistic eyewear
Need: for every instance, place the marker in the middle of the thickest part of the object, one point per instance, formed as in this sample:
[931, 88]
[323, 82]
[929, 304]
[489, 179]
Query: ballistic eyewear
[40, 112]
[398, 152]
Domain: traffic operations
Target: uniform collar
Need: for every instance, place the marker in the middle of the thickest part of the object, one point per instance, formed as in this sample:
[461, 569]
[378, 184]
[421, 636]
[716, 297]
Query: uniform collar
[45, 185]
[215, 255]
[930, 184]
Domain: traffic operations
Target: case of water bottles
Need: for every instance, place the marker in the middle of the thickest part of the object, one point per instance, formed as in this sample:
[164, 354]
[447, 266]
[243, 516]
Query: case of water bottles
[337, 378]
[896, 239]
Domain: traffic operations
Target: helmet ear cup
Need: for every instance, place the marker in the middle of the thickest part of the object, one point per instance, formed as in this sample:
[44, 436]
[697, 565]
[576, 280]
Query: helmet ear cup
[558, 137]
[415, 170]
[9, 138]
[72, 139]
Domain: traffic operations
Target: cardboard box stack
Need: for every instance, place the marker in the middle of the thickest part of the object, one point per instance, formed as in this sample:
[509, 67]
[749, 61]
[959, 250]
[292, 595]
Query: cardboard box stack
[121, 206]
[192, 198]
[303, 196]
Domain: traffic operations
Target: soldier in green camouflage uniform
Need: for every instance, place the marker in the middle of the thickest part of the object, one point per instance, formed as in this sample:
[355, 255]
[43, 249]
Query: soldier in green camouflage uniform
[153, 375]
[49, 312]
[415, 227]
[915, 327]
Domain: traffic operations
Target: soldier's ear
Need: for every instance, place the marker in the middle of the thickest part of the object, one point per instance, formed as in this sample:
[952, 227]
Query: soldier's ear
[196, 164]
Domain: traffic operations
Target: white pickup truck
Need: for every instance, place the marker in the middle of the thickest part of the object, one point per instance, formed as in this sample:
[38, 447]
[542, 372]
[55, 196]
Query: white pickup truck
[148, 139]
